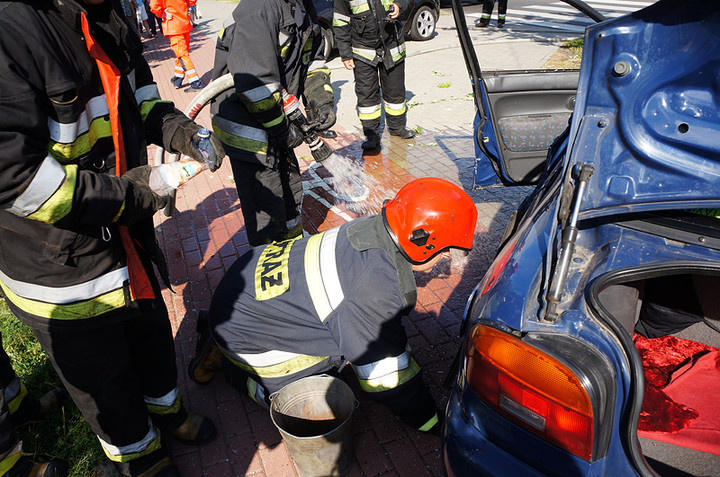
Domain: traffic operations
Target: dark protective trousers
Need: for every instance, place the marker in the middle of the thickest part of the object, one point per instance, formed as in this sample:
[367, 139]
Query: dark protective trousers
[269, 197]
[8, 438]
[374, 82]
[489, 4]
[108, 369]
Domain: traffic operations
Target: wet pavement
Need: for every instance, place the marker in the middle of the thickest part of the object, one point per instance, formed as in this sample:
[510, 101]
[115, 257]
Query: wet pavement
[205, 234]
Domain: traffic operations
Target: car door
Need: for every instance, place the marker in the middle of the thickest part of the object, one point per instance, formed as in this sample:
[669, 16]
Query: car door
[518, 113]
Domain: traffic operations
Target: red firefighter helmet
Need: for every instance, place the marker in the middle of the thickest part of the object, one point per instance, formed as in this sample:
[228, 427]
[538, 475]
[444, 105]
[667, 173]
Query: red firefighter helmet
[428, 216]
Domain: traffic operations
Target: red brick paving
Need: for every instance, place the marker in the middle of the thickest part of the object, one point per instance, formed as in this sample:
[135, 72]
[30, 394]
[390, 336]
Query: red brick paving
[203, 237]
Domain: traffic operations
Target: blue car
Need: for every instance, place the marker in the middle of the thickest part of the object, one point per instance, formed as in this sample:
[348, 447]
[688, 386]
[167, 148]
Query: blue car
[592, 344]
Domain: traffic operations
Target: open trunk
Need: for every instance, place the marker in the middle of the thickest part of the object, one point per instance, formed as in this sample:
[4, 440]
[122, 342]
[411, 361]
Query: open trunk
[675, 322]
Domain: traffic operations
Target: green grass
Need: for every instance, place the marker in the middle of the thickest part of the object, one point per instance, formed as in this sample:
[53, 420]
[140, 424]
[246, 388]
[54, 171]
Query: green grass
[64, 435]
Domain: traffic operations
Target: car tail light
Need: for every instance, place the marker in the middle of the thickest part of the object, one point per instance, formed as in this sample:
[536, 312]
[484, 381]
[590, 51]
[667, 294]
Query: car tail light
[532, 388]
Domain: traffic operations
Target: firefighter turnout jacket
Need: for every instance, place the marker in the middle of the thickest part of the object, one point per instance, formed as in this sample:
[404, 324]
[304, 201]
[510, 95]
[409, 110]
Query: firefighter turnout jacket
[299, 307]
[364, 32]
[267, 45]
[61, 254]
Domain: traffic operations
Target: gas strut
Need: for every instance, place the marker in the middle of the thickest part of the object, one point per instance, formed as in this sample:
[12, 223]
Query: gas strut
[569, 237]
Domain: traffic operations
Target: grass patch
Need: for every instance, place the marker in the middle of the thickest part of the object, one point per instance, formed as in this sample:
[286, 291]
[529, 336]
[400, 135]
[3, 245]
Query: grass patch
[568, 56]
[64, 435]
[444, 85]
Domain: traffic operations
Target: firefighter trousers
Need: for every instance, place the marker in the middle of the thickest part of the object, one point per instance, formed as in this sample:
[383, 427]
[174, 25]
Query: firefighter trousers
[488, 6]
[120, 374]
[373, 83]
[270, 197]
[184, 67]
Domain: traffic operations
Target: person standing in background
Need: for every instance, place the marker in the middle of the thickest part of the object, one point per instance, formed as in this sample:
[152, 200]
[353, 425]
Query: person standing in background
[176, 26]
[371, 43]
[488, 6]
[142, 19]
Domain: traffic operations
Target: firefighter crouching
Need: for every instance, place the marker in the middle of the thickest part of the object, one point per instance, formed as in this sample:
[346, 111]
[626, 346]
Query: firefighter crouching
[78, 106]
[302, 306]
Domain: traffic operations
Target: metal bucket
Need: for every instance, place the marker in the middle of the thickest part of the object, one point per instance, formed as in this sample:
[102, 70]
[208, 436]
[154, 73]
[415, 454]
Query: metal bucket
[314, 417]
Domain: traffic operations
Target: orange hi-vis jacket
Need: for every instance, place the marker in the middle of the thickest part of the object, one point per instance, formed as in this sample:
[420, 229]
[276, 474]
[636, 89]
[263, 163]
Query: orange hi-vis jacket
[174, 14]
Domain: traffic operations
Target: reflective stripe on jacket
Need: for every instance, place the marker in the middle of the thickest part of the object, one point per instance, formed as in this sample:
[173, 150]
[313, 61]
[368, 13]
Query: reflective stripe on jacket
[267, 45]
[364, 32]
[61, 256]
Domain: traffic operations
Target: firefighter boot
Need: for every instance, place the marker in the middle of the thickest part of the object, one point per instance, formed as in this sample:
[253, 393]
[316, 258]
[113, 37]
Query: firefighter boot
[404, 133]
[373, 141]
[208, 357]
[24, 467]
[482, 22]
[32, 409]
[197, 430]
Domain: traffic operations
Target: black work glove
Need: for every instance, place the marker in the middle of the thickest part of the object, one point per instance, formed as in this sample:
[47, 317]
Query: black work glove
[324, 116]
[289, 138]
[140, 201]
[185, 141]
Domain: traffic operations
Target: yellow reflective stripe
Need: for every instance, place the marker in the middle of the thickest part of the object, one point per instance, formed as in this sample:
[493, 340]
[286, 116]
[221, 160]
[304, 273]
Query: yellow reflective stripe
[359, 6]
[164, 410]
[240, 136]
[150, 443]
[14, 403]
[147, 106]
[48, 179]
[386, 3]
[9, 462]
[340, 19]
[428, 425]
[364, 53]
[83, 144]
[369, 113]
[313, 276]
[291, 366]
[272, 276]
[59, 204]
[117, 216]
[68, 132]
[274, 122]
[265, 105]
[391, 380]
[76, 311]
[398, 53]
[283, 51]
[259, 93]
[395, 109]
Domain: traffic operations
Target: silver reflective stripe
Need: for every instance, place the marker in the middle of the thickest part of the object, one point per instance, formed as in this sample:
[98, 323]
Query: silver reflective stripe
[268, 358]
[321, 273]
[48, 179]
[395, 106]
[340, 17]
[283, 38]
[240, 130]
[354, 4]
[71, 294]
[164, 401]
[261, 92]
[364, 52]
[147, 93]
[131, 448]
[397, 50]
[66, 133]
[368, 109]
[381, 368]
[317, 64]
[12, 390]
[131, 79]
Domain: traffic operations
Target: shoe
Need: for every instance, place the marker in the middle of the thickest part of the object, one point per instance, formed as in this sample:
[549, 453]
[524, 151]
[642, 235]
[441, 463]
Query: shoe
[208, 357]
[403, 133]
[164, 468]
[372, 143]
[482, 22]
[25, 467]
[327, 134]
[501, 23]
[33, 410]
[197, 430]
[196, 86]
[176, 81]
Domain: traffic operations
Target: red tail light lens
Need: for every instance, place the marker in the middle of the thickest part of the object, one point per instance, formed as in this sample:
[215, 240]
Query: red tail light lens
[532, 388]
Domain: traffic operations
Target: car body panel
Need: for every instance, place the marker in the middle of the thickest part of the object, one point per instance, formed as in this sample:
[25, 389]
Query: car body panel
[613, 180]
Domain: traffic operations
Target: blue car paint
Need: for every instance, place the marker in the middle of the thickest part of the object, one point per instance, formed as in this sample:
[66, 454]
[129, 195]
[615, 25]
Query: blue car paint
[643, 161]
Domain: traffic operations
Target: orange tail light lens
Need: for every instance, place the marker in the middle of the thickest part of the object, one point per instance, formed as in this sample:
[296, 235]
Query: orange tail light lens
[532, 388]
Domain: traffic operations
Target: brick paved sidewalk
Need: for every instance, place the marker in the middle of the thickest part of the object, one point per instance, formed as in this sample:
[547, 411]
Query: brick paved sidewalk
[206, 234]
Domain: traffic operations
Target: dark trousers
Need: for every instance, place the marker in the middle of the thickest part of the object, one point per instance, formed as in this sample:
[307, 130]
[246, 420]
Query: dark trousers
[8, 438]
[152, 19]
[374, 82]
[489, 4]
[110, 368]
[269, 196]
